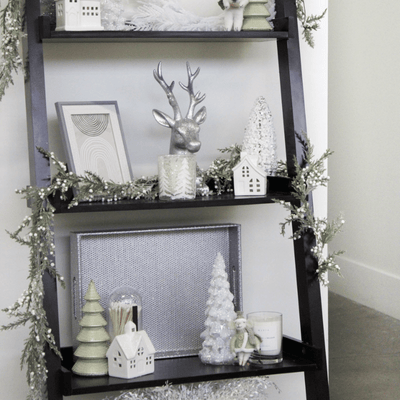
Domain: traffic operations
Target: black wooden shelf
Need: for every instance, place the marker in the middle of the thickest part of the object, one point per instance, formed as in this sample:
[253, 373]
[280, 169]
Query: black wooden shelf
[298, 357]
[209, 201]
[47, 33]
[279, 188]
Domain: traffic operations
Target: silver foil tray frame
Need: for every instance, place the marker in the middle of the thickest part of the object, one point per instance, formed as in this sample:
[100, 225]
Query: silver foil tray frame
[171, 270]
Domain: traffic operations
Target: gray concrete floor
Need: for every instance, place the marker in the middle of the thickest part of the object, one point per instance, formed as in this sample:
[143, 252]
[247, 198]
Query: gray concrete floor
[364, 352]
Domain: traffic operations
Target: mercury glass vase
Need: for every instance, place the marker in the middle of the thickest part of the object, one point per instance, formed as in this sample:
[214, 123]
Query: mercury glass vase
[177, 176]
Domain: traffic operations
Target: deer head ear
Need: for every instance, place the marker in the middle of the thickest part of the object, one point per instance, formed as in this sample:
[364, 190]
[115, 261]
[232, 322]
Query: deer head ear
[163, 119]
[200, 116]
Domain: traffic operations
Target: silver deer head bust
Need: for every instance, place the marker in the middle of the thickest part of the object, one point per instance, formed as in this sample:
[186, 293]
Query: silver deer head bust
[184, 130]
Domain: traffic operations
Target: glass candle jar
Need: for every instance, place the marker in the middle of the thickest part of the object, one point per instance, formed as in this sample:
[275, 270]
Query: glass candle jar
[177, 176]
[268, 325]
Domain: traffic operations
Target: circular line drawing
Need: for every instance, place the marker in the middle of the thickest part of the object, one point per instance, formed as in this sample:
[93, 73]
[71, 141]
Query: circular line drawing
[91, 124]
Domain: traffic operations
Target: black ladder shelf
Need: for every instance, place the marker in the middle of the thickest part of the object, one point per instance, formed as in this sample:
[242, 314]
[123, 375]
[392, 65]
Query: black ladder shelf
[307, 355]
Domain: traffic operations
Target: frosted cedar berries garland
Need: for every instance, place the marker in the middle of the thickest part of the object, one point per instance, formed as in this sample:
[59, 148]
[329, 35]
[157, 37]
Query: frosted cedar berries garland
[309, 176]
[11, 24]
[36, 232]
[28, 309]
[309, 23]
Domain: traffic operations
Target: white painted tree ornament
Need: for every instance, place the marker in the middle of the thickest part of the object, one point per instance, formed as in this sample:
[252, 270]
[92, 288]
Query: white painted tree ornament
[78, 15]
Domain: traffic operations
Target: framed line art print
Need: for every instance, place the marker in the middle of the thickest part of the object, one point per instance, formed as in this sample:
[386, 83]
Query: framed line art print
[94, 140]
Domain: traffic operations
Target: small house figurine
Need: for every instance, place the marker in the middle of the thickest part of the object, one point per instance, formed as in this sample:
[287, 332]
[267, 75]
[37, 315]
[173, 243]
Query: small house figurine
[131, 354]
[249, 179]
[78, 15]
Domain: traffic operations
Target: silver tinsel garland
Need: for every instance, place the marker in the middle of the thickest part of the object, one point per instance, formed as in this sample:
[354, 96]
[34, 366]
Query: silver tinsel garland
[231, 389]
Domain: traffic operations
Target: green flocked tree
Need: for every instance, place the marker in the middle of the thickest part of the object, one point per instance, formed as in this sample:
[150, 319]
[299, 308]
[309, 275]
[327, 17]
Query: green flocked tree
[93, 338]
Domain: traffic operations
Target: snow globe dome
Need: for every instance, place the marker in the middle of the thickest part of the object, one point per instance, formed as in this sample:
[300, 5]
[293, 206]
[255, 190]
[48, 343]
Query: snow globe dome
[125, 304]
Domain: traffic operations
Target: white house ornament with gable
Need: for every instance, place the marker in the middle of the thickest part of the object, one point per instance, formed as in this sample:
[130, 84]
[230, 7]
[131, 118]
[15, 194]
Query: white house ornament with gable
[131, 354]
[248, 178]
[78, 15]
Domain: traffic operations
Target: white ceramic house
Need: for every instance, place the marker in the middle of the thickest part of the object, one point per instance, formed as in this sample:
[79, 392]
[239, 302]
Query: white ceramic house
[131, 354]
[249, 179]
[78, 15]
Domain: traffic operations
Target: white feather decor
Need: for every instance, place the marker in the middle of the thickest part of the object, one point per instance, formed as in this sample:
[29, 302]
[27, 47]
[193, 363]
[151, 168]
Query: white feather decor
[270, 4]
[168, 15]
[161, 15]
[112, 15]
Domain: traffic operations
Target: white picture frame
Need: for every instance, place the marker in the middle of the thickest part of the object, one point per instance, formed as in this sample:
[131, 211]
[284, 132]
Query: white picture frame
[93, 138]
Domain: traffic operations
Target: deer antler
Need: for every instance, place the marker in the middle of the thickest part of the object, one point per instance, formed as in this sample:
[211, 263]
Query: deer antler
[184, 131]
[194, 98]
[168, 90]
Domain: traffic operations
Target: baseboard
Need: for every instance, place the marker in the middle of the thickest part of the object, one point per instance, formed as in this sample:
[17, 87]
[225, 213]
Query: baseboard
[368, 286]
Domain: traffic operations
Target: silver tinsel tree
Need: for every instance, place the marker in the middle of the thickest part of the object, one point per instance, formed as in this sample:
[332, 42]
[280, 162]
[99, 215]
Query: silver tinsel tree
[260, 138]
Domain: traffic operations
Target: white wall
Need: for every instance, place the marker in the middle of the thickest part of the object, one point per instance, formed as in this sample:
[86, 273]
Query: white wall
[232, 75]
[364, 120]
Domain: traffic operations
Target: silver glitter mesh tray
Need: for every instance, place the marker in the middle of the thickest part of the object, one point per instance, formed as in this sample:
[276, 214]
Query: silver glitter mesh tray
[171, 270]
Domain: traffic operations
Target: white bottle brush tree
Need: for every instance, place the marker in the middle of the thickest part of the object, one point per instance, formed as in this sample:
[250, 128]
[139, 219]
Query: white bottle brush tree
[220, 318]
[260, 138]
